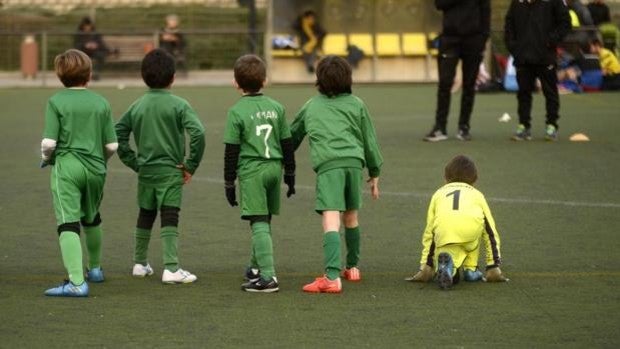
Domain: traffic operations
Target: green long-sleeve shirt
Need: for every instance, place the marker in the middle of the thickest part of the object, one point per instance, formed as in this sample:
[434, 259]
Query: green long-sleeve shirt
[340, 132]
[159, 121]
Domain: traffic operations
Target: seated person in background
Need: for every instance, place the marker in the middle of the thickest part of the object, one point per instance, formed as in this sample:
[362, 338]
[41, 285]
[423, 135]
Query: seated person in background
[568, 72]
[311, 35]
[591, 74]
[609, 65]
[90, 42]
[172, 41]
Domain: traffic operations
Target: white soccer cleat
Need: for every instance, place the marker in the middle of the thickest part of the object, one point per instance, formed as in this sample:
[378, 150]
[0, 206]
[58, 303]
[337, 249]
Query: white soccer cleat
[141, 271]
[179, 277]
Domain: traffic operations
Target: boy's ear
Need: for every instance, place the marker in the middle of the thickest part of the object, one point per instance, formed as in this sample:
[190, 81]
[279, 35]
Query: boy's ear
[265, 82]
[235, 84]
[173, 78]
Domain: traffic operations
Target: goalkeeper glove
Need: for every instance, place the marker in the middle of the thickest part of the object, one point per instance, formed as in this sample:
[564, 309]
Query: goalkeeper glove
[425, 274]
[495, 275]
[231, 195]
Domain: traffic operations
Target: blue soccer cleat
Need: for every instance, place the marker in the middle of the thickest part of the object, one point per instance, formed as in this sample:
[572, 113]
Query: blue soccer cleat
[551, 133]
[95, 275]
[472, 275]
[522, 134]
[444, 270]
[68, 289]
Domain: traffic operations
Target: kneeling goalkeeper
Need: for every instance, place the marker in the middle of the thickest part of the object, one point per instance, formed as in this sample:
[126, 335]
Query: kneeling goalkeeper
[458, 217]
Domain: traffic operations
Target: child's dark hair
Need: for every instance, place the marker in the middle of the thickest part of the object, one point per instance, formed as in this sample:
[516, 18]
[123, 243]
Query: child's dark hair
[333, 76]
[158, 69]
[461, 169]
[309, 13]
[250, 73]
[73, 68]
[596, 42]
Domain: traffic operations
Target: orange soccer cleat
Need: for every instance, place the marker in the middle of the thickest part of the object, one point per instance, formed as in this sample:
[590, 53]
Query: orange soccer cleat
[352, 274]
[324, 285]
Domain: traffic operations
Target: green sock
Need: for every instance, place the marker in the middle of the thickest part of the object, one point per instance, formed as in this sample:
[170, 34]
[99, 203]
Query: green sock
[71, 251]
[169, 237]
[93, 245]
[331, 251]
[142, 238]
[352, 239]
[263, 249]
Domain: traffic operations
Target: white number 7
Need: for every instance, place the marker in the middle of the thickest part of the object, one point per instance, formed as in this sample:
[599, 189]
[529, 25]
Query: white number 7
[259, 129]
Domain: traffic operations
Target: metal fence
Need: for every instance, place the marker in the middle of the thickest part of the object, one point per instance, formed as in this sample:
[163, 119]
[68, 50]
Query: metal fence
[33, 53]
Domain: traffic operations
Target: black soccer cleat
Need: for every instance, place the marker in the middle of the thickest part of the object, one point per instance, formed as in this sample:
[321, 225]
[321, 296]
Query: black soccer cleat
[463, 135]
[436, 135]
[262, 286]
[251, 274]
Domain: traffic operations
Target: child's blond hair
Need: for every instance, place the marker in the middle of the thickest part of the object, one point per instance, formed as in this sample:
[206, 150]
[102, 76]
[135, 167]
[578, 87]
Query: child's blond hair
[73, 68]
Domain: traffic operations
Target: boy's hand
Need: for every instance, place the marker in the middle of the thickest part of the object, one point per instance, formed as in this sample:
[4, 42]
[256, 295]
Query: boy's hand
[231, 194]
[425, 274]
[290, 181]
[494, 275]
[187, 177]
[374, 187]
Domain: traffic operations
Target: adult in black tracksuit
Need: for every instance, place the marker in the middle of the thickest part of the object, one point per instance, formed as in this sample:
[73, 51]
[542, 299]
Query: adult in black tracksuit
[533, 30]
[466, 28]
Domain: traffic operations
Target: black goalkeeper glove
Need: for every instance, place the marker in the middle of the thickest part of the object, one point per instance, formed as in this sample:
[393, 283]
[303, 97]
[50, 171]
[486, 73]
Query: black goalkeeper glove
[290, 181]
[231, 195]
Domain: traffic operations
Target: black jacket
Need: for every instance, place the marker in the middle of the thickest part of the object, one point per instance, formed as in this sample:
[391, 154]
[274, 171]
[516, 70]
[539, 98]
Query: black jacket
[465, 17]
[533, 30]
[599, 13]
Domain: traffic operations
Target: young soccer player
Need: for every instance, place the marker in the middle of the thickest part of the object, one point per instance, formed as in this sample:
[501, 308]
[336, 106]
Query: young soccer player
[458, 217]
[159, 121]
[342, 142]
[77, 141]
[258, 142]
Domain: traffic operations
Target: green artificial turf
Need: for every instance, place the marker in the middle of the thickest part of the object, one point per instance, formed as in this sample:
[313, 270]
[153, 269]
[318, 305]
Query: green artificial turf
[556, 206]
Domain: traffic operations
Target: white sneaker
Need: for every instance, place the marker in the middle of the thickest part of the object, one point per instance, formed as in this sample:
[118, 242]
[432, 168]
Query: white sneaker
[179, 277]
[141, 271]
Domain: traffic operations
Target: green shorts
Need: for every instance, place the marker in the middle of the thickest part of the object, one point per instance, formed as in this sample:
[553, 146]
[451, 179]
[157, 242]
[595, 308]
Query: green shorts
[155, 191]
[76, 192]
[339, 189]
[260, 193]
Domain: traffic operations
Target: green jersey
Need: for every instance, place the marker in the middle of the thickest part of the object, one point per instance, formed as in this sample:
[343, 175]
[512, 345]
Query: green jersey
[159, 121]
[340, 132]
[257, 123]
[80, 121]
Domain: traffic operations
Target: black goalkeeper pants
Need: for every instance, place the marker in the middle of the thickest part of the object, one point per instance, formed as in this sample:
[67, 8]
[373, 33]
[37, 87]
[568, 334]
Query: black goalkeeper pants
[526, 78]
[452, 49]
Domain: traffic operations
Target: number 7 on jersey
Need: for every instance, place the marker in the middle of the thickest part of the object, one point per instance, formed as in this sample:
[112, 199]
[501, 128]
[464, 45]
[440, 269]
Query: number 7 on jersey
[268, 129]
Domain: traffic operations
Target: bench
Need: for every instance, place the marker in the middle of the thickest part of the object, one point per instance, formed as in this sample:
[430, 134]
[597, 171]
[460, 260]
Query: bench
[128, 49]
[383, 44]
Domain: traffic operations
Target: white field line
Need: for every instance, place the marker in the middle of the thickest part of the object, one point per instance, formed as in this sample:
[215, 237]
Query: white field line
[526, 201]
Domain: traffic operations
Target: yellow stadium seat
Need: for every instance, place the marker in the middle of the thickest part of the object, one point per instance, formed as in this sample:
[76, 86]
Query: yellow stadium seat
[335, 44]
[285, 53]
[414, 44]
[388, 44]
[363, 41]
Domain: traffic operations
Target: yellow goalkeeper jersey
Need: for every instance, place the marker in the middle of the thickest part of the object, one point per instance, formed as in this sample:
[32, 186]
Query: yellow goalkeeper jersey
[459, 213]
